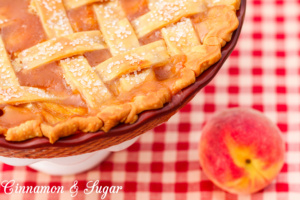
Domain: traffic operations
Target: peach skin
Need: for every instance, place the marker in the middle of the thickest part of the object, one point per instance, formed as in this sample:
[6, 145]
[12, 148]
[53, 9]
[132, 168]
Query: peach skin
[241, 150]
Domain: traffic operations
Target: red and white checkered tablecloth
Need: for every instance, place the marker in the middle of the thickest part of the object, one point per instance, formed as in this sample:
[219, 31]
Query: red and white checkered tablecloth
[263, 72]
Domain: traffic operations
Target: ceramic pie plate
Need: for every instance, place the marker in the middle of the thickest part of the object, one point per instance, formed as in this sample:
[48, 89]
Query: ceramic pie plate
[82, 151]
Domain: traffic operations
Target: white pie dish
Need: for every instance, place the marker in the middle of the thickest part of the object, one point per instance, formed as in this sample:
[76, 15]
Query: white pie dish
[68, 165]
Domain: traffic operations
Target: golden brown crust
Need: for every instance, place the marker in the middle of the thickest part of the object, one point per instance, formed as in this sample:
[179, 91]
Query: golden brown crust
[64, 129]
[186, 78]
[25, 131]
[112, 115]
[220, 26]
[202, 42]
[153, 100]
[202, 57]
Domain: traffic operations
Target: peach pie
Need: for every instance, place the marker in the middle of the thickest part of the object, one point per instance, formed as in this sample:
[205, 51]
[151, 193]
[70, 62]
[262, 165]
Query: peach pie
[88, 65]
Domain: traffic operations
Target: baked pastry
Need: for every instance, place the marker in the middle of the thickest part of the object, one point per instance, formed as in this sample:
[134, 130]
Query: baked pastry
[88, 65]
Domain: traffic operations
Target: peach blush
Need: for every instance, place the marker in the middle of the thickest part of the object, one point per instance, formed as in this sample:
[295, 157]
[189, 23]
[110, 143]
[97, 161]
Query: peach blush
[241, 150]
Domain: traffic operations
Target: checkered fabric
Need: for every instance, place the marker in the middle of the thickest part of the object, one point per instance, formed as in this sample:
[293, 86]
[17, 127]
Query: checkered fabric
[263, 72]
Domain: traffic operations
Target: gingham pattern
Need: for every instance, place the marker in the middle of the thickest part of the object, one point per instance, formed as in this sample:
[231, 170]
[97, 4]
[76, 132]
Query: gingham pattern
[263, 73]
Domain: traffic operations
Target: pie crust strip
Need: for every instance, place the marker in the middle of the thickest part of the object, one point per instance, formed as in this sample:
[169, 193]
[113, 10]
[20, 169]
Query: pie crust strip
[167, 13]
[7, 73]
[23, 95]
[59, 48]
[115, 27]
[53, 17]
[135, 60]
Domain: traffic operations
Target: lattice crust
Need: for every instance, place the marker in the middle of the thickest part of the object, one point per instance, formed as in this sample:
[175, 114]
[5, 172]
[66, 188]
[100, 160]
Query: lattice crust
[121, 38]
[77, 70]
[136, 78]
[10, 90]
[80, 76]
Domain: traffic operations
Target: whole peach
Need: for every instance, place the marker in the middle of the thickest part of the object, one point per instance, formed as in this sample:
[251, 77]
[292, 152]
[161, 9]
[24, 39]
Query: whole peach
[241, 150]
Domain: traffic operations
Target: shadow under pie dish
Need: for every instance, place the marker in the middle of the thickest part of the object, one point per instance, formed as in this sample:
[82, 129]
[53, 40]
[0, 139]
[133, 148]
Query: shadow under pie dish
[76, 75]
